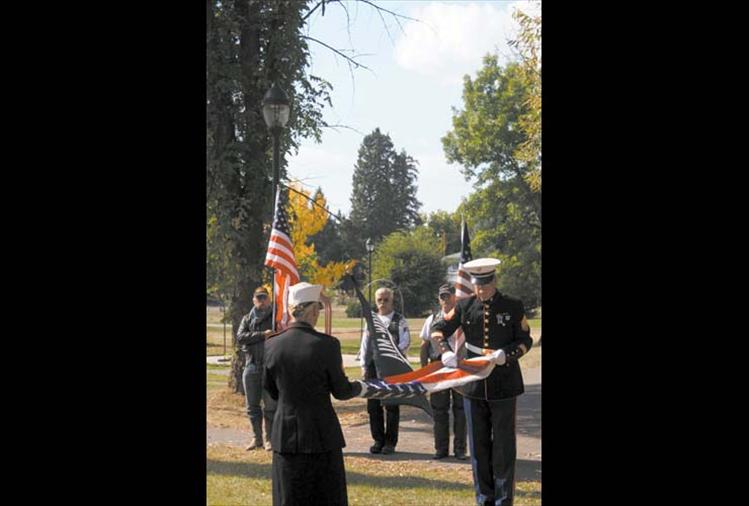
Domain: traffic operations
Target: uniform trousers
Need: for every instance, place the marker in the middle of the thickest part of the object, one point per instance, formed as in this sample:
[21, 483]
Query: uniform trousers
[492, 442]
[301, 479]
[440, 402]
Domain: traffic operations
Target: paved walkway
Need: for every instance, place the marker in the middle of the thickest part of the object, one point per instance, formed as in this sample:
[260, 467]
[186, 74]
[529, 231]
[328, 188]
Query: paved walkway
[416, 441]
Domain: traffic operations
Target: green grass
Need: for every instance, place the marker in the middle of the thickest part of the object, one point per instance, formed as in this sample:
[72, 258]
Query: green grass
[347, 330]
[237, 477]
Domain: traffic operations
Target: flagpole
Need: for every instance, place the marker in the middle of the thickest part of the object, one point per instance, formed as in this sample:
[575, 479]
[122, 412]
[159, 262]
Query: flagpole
[276, 132]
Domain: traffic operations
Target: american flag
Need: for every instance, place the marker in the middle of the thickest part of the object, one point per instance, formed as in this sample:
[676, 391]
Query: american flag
[432, 378]
[280, 257]
[463, 285]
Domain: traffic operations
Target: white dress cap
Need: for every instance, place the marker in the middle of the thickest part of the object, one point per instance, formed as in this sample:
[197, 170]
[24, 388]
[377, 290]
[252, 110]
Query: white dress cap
[304, 292]
[481, 269]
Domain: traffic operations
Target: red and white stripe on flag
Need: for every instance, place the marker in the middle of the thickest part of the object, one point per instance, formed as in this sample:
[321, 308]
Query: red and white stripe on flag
[280, 256]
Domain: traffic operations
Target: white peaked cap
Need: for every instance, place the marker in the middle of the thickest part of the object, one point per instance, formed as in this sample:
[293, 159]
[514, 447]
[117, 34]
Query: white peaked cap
[304, 292]
[481, 270]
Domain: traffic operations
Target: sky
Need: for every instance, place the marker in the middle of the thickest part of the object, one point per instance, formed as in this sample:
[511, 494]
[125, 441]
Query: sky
[415, 79]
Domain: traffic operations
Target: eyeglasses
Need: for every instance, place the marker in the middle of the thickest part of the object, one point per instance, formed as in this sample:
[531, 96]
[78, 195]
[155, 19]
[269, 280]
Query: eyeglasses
[261, 296]
[445, 296]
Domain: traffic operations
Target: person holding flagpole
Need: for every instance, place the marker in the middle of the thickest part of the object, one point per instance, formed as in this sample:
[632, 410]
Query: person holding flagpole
[254, 329]
[384, 430]
[495, 326]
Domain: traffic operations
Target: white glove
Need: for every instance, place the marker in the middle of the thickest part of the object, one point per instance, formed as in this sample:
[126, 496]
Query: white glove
[449, 359]
[499, 357]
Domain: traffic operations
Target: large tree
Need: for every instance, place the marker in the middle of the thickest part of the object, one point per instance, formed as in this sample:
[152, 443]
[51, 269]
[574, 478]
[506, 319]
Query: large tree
[250, 44]
[383, 197]
[504, 212]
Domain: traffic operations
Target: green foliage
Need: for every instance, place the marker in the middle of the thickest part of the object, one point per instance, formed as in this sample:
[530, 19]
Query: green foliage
[353, 309]
[528, 45]
[329, 243]
[383, 197]
[504, 212]
[411, 260]
[249, 46]
[446, 226]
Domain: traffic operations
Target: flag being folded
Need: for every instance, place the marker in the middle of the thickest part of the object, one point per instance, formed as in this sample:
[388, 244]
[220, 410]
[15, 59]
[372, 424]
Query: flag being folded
[431, 378]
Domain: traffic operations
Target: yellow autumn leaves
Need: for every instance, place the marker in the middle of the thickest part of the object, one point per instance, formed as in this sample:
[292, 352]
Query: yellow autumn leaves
[307, 217]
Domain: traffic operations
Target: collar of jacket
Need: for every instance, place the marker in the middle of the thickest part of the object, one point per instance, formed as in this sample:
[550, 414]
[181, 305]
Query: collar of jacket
[491, 299]
[304, 325]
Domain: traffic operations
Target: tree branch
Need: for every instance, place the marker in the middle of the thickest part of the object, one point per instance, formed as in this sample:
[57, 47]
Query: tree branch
[338, 52]
[344, 126]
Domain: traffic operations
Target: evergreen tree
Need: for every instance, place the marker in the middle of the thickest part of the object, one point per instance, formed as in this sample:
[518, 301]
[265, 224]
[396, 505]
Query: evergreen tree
[383, 198]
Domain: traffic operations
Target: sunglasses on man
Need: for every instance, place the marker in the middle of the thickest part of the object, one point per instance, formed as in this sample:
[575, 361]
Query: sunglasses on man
[445, 296]
[261, 296]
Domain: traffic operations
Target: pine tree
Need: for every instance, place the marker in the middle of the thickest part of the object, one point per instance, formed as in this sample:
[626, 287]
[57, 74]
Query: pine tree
[383, 198]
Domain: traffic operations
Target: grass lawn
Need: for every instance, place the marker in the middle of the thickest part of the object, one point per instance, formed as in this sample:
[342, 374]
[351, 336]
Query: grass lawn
[238, 477]
[347, 330]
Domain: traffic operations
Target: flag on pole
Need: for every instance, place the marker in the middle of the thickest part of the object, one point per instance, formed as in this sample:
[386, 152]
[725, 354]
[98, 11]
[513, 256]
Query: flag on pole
[463, 285]
[280, 257]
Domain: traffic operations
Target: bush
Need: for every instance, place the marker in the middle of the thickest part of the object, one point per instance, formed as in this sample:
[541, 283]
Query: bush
[412, 262]
[353, 309]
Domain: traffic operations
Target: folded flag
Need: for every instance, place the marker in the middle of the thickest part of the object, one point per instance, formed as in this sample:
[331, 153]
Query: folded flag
[431, 378]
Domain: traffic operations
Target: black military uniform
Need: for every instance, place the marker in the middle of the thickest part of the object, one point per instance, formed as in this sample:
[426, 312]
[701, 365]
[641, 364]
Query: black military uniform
[302, 368]
[497, 323]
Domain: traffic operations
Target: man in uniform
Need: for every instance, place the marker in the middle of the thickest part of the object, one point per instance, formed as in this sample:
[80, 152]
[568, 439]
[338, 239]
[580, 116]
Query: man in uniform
[302, 368]
[440, 401]
[385, 436]
[253, 331]
[494, 325]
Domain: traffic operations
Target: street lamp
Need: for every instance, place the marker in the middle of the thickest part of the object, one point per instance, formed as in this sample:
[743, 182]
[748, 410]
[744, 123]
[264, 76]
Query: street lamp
[276, 114]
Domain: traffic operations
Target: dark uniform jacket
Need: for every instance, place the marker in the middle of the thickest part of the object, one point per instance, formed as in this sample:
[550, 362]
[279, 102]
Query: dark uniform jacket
[494, 324]
[302, 368]
[250, 334]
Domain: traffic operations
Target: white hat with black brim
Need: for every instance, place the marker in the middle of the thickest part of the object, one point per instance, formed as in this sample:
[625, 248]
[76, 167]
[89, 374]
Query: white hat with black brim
[481, 270]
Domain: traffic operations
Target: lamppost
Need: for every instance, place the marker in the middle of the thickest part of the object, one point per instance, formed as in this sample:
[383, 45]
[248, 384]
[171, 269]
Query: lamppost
[276, 114]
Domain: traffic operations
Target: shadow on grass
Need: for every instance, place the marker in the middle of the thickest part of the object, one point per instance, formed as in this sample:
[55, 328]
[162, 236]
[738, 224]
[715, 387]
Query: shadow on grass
[527, 470]
[399, 455]
[245, 469]
[400, 482]
[263, 471]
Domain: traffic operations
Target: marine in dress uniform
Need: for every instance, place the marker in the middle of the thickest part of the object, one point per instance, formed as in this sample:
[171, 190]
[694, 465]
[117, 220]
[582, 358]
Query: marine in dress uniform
[302, 368]
[494, 325]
